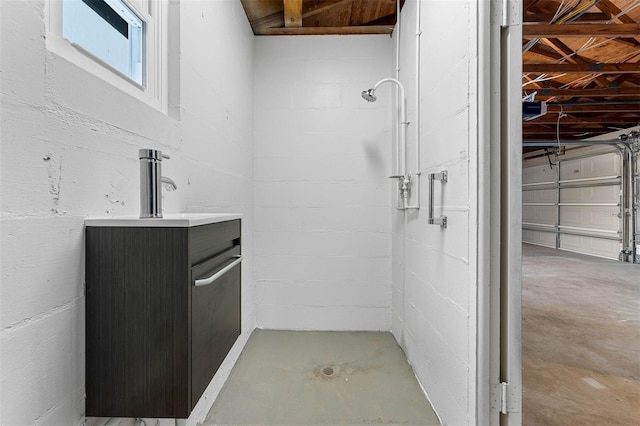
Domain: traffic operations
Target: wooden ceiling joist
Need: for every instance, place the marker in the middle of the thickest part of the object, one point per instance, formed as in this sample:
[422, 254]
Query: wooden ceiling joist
[580, 30]
[588, 93]
[316, 17]
[364, 29]
[293, 13]
[591, 108]
[583, 68]
[612, 10]
[595, 119]
[587, 17]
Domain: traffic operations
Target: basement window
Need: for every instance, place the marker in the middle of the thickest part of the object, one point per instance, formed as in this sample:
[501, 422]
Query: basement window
[122, 42]
[108, 29]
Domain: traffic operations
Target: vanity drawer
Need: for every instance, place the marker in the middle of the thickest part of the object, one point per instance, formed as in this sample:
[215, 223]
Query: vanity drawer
[210, 240]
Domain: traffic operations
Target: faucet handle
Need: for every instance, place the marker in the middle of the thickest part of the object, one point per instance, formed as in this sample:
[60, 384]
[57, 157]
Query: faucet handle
[166, 156]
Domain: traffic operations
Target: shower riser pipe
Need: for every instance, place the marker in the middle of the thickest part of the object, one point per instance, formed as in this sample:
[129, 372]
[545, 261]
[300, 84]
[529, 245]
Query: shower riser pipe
[415, 187]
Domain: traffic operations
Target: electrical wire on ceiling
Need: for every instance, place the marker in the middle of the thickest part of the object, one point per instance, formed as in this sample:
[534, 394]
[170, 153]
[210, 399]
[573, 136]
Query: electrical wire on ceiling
[624, 11]
[571, 12]
[541, 78]
[589, 44]
[565, 13]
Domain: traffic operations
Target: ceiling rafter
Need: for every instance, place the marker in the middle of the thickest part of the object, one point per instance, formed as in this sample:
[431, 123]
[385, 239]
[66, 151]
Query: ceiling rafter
[590, 108]
[589, 93]
[363, 29]
[582, 68]
[588, 69]
[287, 17]
[572, 56]
[292, 13]
[547, 17]
[597, 119]
[579, 30]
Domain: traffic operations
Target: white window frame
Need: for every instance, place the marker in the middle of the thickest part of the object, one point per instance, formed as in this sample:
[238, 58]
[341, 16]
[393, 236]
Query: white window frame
[154, 89]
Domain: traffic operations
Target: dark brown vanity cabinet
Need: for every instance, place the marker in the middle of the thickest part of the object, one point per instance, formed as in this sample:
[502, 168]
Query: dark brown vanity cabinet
[154, 339]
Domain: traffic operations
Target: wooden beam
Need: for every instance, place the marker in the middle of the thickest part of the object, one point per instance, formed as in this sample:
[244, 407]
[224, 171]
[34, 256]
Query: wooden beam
[273, 20]
[562, 49]
[589, 93]
[292, 13]
[323, 6]
[593, 119]
[546, 17]
[571, 56]
[529, 127]
[599, 108]
[580, 30]
[612, 10]
[367, 29]
[582, 68]
[277, 19]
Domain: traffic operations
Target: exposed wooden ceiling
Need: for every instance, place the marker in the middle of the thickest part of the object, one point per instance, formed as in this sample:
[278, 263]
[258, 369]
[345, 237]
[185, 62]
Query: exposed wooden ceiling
[315, 17]
[582, 57]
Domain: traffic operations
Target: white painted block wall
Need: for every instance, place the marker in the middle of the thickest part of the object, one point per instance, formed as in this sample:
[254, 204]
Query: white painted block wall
[322, 207]
[434, 272]
[69, 151]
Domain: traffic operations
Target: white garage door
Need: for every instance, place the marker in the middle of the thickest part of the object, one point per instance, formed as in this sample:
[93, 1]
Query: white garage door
[574, 204]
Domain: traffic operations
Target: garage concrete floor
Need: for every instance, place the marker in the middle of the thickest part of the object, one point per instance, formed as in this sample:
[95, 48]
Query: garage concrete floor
[314, 377]
[581, 339]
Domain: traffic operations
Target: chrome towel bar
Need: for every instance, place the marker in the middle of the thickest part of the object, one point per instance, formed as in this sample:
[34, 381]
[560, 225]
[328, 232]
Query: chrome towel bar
[217, 275]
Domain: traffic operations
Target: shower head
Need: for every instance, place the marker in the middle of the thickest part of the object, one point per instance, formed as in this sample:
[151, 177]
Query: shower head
[368, 95]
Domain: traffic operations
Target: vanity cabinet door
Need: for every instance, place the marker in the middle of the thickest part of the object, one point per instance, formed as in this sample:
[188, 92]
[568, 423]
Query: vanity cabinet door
[137, 319]
[215, 320]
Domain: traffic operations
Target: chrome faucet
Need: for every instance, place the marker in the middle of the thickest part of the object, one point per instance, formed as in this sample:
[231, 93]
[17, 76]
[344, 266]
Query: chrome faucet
[151, 181]
[171, 185]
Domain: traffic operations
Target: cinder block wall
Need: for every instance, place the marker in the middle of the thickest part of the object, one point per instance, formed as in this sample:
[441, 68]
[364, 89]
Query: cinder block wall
[434, 272]
[322, 205]
[69, 151]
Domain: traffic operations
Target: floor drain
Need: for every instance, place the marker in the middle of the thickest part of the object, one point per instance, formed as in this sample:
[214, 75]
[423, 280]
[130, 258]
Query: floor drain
[324, 372]
[327, 371]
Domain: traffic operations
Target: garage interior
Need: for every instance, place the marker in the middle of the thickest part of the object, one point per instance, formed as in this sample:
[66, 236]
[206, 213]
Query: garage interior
[580, 283]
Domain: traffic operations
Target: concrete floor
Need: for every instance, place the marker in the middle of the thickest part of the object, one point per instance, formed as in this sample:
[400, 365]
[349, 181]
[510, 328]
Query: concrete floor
[314, 377]
[581, 339]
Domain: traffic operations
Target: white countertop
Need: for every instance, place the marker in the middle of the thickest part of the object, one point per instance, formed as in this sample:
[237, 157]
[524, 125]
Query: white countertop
[170, 220]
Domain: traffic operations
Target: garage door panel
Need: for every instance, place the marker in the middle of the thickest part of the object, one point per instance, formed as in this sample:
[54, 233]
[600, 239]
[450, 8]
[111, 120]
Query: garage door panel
[590, 167]
[537, 174]
[605, 218]
[592, 194]
[540, 196]
[589, 203]
[547, 239]
[593, 246]
[540, 214]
